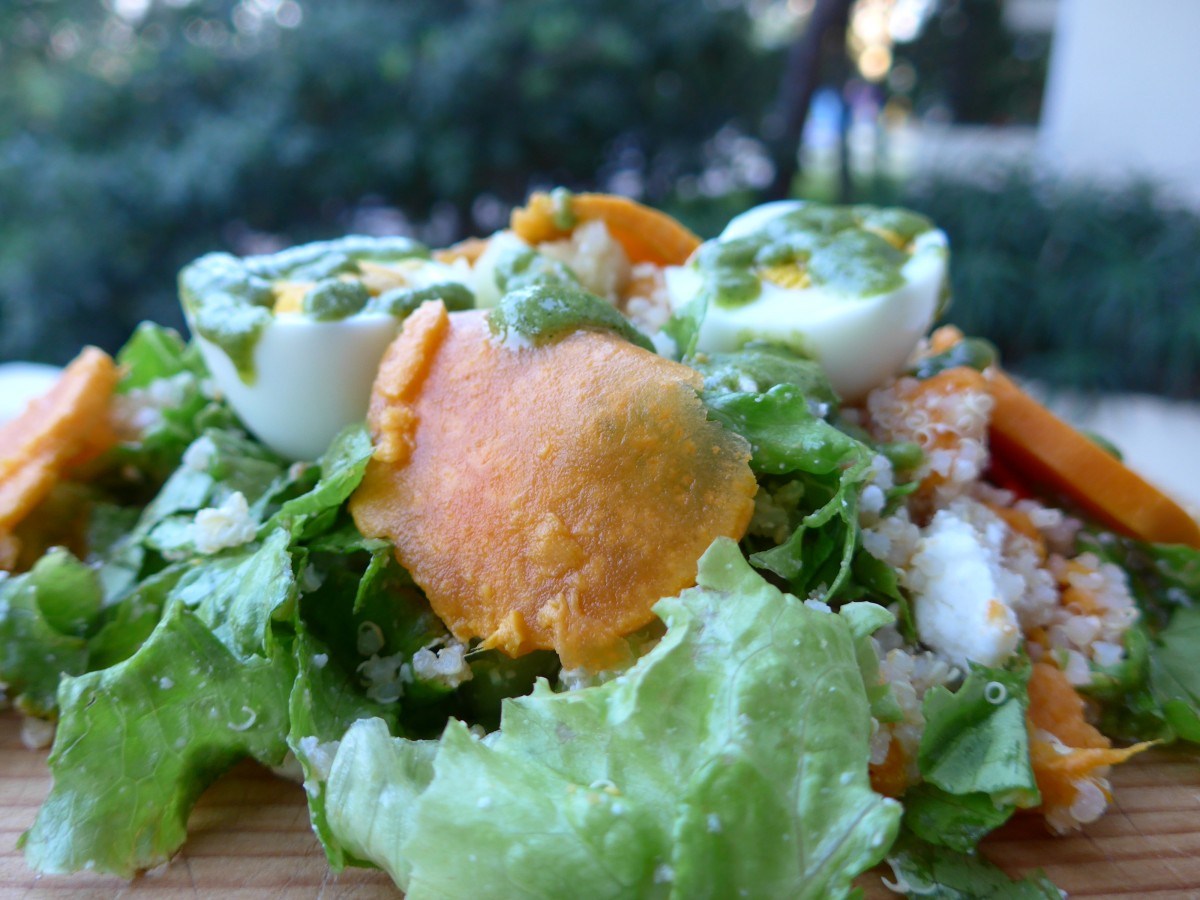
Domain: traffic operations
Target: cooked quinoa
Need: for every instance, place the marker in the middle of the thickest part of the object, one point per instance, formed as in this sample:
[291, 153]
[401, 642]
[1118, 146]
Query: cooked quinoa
[988, 574]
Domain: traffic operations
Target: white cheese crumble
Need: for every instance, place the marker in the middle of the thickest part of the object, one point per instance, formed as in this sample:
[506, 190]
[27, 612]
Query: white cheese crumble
[964, 595]
[227, 525]
[447, 666]
[199, 454]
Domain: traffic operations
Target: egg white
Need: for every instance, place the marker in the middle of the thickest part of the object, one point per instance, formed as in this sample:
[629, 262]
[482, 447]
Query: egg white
[20, 382]
[860, 341]
[314, 378]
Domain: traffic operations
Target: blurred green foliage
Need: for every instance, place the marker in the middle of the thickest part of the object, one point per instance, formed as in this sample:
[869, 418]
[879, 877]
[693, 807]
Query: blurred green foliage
[1080, 285]
[130, 145]
[966, 66]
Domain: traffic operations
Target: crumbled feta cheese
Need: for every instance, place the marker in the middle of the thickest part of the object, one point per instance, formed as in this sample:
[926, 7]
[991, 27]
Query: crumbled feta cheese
[199, 454]
[384, 677]
[227, 525]
[140, 410]
[447, 666]
[964, 595]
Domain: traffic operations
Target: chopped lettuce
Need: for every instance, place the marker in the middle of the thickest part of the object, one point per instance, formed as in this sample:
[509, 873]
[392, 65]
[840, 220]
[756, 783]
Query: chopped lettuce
[323, 704]
[760, 366]
[975, 739]
[731, 756]
[1174, 675]
[137, 744]
[45, 617]
[341, 469]
[165, 395]
[785, 432]
[925, 870]
[382, 777]
[956, 821]
[1155, 692]
[811, 474]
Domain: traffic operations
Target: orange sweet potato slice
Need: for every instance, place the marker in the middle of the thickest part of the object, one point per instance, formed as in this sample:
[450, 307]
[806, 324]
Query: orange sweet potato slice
[64, 428]
[646, 234]
[545, 497]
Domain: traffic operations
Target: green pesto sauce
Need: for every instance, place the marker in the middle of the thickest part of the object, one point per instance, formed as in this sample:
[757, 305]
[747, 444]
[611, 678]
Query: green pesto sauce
[402, 302]
[842, 248]
[759, 366]
[564, 214]
[976, 353]
[332, 299]
[541, 313]
[230, 299]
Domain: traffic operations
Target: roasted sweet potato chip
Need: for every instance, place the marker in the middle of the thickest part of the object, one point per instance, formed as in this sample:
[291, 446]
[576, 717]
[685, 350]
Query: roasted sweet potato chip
[646, 234]
[64, 428]
[545, 497]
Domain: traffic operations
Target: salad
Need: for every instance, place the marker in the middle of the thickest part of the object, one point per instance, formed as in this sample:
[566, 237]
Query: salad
[588, 559]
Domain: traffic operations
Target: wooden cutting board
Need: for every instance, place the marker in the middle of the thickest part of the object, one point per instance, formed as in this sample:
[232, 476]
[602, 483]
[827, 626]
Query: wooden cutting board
[250, 837]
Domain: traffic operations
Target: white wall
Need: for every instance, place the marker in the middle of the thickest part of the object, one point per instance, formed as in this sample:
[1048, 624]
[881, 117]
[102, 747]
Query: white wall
[1123, 95]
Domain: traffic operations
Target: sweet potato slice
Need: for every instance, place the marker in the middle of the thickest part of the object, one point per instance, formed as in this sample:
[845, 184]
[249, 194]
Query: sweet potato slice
[646, 234]
[545, 497]
[64, 428]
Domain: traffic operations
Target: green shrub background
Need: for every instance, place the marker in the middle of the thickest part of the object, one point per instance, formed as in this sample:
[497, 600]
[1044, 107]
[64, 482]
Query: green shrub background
[129, 148]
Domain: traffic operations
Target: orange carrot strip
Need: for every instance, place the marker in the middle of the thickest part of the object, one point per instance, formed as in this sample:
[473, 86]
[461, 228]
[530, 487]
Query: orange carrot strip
[890, 777]
[646, 234]
[1077, 751]
[1036, 443]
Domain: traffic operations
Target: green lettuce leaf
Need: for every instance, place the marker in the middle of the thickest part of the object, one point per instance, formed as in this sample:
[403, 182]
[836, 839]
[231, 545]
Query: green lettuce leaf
[45, 617]
[784, 432]
[341, 469]
[151, 353]
[1175, 675]
[924, 870]
[137, 744]
[1155, 692]
[975, 739]
[864, 620]
[683, 328]
[758, 367]
[732, 756]
[372, 796]
[324, 702]
[139, 741]
[124, 626]
[238, 596]
[956, 821]
[169, 378]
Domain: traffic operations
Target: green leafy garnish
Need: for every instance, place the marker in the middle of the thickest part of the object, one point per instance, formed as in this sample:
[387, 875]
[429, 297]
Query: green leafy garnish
[692, 773]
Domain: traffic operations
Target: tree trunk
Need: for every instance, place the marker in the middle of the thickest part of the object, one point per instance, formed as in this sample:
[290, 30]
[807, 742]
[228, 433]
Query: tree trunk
[825, 34]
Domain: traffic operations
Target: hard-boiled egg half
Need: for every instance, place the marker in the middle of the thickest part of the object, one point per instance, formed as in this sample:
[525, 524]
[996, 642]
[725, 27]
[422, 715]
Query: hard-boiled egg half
[852, 287]
[20, 382]
[294, 340]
